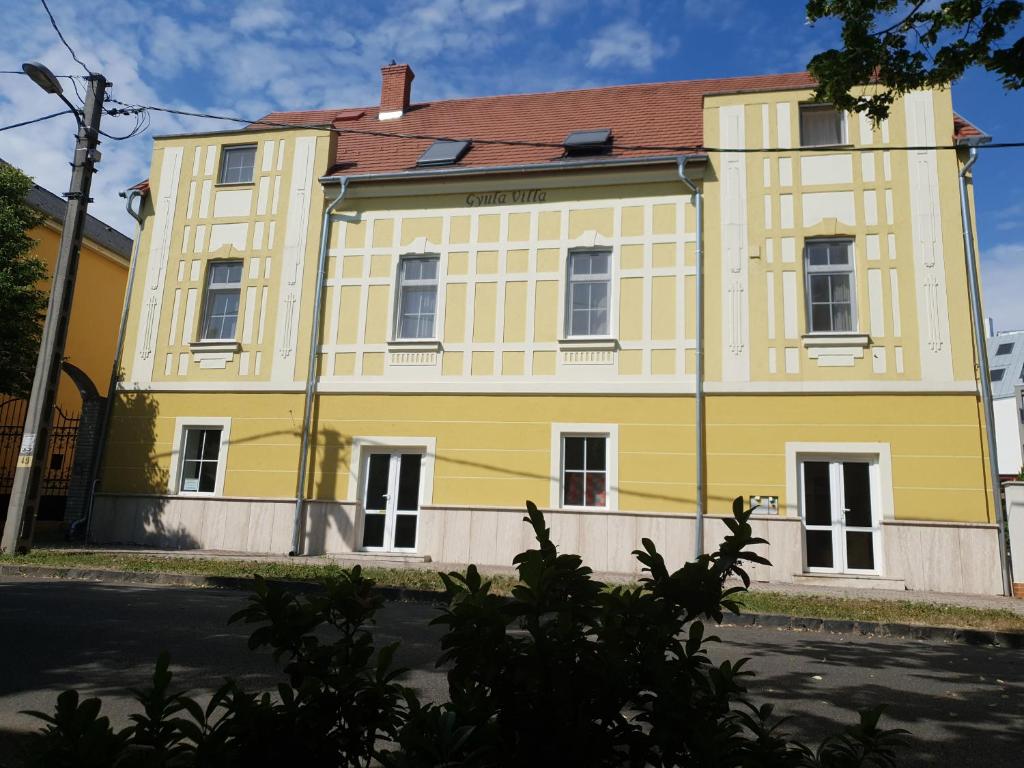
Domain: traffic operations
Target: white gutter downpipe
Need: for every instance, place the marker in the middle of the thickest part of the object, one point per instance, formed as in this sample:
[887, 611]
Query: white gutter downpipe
[699, 417]
[981, 353]
[101, 439]
[314, 354]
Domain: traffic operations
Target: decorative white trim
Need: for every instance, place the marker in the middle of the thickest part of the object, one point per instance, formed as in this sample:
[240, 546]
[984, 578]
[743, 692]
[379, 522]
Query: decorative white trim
[926, 228]
[611, 434]
[363, 444]
[835, 349]
[151, 297]
[735, 287]
[549, 385]
[879, 451]
[293, 258]
[181, 423]
[213, 354]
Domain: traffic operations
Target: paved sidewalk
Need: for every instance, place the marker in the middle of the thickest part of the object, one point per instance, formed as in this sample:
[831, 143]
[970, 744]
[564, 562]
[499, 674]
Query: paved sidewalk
[398, 561]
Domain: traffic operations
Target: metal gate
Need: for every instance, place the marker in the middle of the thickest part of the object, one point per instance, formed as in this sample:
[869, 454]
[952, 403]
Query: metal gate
[60, 456]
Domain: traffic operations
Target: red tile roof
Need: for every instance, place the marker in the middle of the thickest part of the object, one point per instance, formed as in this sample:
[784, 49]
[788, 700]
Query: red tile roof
[964, 128]
[651, 115]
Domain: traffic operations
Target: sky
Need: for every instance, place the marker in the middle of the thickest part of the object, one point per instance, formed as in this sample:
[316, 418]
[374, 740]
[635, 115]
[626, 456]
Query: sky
[249, 58]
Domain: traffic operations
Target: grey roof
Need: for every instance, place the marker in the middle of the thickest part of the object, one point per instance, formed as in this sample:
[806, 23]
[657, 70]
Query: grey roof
[1012, 363]
[53, 206]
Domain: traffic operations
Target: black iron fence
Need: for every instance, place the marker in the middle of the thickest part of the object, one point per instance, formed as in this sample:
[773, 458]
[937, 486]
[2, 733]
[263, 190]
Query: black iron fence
[59, 457]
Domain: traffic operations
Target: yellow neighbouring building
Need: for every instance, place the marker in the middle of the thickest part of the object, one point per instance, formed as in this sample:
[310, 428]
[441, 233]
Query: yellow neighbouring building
[500, 322]
[90, 349]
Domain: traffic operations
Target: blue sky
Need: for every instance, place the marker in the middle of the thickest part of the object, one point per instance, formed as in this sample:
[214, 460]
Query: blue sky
[254, 57]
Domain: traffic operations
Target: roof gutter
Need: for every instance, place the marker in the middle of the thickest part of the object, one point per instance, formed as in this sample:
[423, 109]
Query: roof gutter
[485, 170]
[981, 354]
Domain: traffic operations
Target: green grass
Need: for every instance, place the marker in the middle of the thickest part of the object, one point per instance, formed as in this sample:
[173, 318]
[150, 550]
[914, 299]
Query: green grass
[756, 601]
[884, 611]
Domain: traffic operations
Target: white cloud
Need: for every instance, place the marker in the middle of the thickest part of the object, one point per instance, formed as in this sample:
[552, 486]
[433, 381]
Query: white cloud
[1002, 275]
[627, 44]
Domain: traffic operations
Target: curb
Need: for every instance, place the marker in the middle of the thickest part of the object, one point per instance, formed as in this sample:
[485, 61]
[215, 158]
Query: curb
[1007, 639]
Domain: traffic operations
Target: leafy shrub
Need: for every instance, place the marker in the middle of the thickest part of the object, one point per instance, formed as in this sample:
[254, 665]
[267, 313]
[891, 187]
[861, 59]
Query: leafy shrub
[566, 672]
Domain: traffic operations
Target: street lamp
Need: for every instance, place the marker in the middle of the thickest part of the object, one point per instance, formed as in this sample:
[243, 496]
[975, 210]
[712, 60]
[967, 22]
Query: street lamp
[25, 489]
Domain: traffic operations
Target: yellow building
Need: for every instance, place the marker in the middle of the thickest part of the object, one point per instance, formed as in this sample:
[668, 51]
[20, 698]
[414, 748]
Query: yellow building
[511, 314]
[90, 346]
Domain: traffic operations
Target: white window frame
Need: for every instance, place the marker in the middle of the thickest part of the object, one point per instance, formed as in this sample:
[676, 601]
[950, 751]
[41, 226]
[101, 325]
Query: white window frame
[396, 312]
[567, 294]
[798, 451]
[838, 546]
[610, 432]
[209, 290]
[364, 445]
[844, 128]
[830, 269]
[183, 423]
[222, 167]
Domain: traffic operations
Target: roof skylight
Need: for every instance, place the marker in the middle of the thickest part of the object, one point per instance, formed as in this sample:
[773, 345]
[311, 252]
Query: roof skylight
[588, 142]
[443, 152]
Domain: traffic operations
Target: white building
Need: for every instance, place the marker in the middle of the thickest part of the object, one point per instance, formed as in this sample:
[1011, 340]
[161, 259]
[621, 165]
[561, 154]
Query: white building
[1006, 364]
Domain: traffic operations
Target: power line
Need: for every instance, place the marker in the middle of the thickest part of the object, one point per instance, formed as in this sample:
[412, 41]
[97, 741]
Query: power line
[35, 120]
[53, 23]
[553, 145]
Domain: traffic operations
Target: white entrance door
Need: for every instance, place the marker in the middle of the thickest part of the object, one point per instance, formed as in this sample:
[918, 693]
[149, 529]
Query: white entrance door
[391, 501]
[840, 515]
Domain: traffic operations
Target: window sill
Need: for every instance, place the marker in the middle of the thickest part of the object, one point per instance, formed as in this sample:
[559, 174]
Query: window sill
[220, 184]
[414, 345]
[853, 339]
[589, 342]
[826, 146]
[215, 345]
[214, 353]
[836, 350]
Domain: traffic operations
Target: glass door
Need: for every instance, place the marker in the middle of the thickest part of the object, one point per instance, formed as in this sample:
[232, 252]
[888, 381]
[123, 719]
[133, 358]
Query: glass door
[391, 501]
[840, 516]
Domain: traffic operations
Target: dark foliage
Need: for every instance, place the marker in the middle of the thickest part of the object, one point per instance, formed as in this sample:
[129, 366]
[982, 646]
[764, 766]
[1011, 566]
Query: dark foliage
[566, 672]
[904, 45]
[23, 303]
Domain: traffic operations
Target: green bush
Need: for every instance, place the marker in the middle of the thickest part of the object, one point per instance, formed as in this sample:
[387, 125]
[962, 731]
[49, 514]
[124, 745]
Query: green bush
[566, 672]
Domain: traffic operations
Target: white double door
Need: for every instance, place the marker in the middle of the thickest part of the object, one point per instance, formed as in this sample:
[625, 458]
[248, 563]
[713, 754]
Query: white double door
[391, 501]
[841, 515]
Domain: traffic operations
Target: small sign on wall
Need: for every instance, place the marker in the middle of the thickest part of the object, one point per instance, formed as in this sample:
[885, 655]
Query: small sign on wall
[190, 484]
[764, 505]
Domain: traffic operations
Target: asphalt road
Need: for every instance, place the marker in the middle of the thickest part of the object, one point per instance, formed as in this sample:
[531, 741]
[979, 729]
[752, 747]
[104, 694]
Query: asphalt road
[964, 705]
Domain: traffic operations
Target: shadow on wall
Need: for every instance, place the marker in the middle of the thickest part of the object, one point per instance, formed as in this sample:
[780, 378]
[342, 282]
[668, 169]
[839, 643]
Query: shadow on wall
[327, 523]
[134, 519]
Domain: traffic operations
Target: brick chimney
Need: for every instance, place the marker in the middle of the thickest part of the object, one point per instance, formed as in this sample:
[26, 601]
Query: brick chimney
[396, 87]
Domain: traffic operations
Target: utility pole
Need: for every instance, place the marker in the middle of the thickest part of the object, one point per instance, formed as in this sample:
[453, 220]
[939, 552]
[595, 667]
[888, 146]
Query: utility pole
[25, 492]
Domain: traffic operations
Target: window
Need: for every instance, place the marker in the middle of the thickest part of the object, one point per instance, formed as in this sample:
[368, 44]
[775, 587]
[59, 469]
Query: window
[199, 460]
[589, 288]
[223, 290]
[1004, 349]
[830, 286]
[236, 164]
[417, 297]
[584, 471]
[997, 374]
[821, 125]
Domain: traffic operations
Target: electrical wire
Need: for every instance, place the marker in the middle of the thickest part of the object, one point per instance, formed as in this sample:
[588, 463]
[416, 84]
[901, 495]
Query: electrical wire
[554, 145]
[53, 23]
[35, 120]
